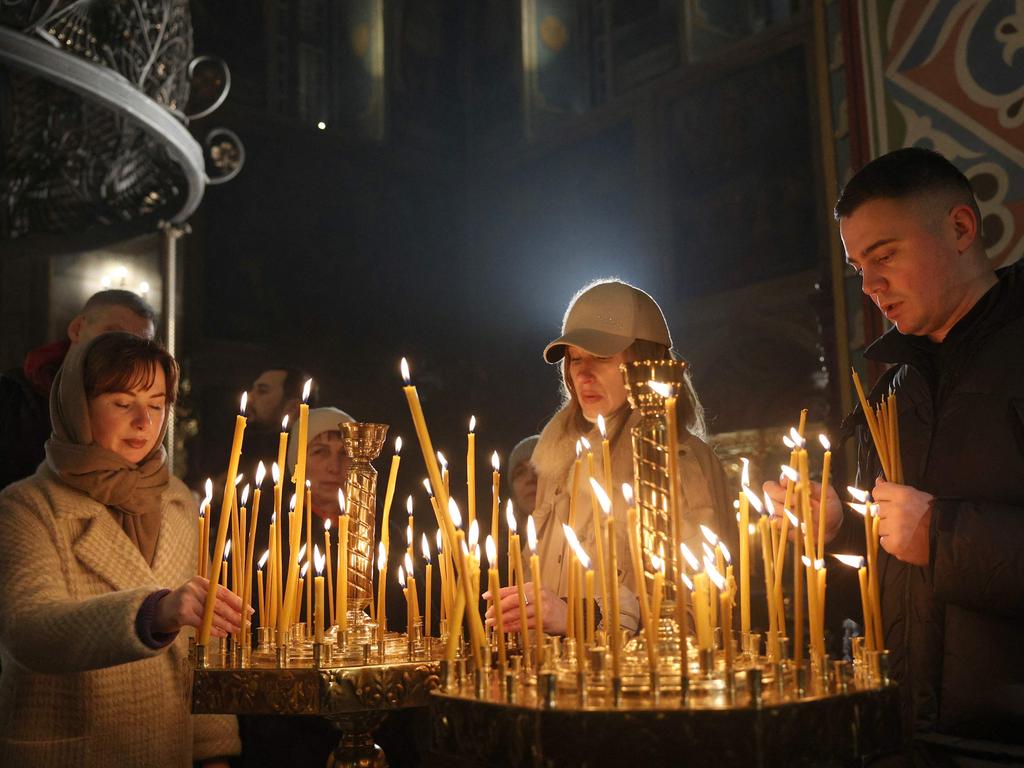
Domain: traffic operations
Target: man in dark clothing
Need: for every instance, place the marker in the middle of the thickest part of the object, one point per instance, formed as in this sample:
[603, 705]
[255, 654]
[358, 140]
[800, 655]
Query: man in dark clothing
[25, 391]
[951, 563]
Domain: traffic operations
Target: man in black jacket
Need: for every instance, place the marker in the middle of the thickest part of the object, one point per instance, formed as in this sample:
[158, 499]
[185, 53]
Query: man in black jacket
[951, 563]
[25, 391]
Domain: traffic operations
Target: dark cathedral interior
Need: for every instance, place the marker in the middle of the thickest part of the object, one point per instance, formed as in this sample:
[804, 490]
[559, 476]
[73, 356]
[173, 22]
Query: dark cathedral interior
[756, 260]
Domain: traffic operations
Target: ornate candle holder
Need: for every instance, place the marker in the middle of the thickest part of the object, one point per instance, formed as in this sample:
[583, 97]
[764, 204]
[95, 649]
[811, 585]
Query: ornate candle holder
[363, 443]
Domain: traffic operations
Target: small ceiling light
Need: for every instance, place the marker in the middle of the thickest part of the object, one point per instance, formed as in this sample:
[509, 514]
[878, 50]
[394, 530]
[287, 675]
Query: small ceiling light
[321, 125]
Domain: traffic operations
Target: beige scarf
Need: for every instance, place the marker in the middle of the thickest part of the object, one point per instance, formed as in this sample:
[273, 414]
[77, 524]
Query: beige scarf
[131, 491]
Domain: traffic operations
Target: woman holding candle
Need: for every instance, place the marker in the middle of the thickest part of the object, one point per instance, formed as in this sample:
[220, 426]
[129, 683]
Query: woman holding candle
[608, 323]
[93, 659]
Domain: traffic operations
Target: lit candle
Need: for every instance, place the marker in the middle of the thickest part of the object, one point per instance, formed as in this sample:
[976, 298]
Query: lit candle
[318, 588]
[494, 585]
[744, 539]
[602, 573]
[202, 558]
[826, 465]
[238, 535]
[412, 596]
[641, 587]
[222, 527]
[467, 579]
[295, 521]
[428, 595]
[471, 469]
[586, 587]
[389, 494]
[444, 472]
[701, 603]
[725, 596]
[515, 554]
[282, 446]
[865, 600]
[224, 565]
[271, 577]
[343, 521]
[409, 532]
[382, 580]
[408, 605]
[495, 483]
[606, 454]
[260, 597]
[769, 587]
[538, 611]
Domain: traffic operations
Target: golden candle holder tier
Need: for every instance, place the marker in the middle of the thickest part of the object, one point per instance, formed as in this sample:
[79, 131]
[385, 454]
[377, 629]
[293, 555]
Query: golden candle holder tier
[363, 443]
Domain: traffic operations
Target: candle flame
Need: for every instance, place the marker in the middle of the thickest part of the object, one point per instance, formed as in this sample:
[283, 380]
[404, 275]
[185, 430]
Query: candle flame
[245, 496]
[585, 442]
[261, 473]
[788, 443]
[708, 551]
[302, 553]
[309, 484]
[398, 444]
[327, 525]
[465, 549]
[401, 576]
[382, 557]
[492, 552]
[425, 547]
[716, 577]
[319, 560]
[305, 389]
[858, 494]
[579, 449]
[227, 548]
[454, 514]
[342, 505]
[861, 509]
[751, 529]
[819, 565]
[798, 440]
[291, 503]
[686, 581]
[408, 505]
[745, 473]
[689, 557]
[577, 548]
[244, 402]
[472, 423]
[601, 496]
[854, 561]
[531, 534]
[495, 461]
[660, 388]
[438, 539]
[789, 473]
[710, 535]
[263, 558]
[305, 567]
[208, 486]
[600, 426]
[238, 478]
[510, 517]
[427, 488]
[408, 535]
[725, 553]
[805, 560]
[408, 565]
[284, 423]
[442, 460]
[769, 505]
[404, 366]
[473, 536]
[275, 473]
[793, 521]
[824, 442]
[754, 500]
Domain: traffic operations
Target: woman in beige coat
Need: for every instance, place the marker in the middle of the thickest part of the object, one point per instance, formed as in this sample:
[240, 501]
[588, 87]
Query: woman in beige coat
[608, 323]
[97, 564]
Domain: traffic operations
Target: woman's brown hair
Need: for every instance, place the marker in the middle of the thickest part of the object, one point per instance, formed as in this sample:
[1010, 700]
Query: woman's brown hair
[121, 362]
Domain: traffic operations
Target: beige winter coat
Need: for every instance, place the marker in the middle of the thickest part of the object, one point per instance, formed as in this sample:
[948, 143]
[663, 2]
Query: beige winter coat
[702, 480]
[77, 686]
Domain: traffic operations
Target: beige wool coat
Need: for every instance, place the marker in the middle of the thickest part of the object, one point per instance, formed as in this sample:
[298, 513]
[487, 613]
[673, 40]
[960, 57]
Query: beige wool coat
[77, 686]
[702, 481]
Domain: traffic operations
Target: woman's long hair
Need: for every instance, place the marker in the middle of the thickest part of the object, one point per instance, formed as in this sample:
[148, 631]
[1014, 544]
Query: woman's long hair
[691, 412]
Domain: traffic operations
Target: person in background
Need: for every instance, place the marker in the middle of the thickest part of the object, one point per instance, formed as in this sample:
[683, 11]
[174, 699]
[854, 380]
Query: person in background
[523, 478]
[97, 578]
[25, 391]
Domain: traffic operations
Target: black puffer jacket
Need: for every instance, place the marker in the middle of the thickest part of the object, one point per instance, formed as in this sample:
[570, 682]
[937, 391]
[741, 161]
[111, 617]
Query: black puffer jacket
[955, 628]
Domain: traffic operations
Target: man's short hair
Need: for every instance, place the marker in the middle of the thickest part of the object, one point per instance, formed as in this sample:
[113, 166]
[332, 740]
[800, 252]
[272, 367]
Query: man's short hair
[116, 297]
[902, 174]
[294, 381]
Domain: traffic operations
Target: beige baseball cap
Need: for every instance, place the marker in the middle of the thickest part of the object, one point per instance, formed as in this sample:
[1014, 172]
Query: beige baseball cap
[321, 420]
[605, 318]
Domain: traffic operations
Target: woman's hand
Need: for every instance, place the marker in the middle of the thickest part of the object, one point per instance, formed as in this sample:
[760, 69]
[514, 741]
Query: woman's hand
[183, 607]
[554, 610]
[833, 507]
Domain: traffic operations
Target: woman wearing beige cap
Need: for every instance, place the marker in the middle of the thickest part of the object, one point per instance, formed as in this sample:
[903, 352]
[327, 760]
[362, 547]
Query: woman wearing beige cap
[608, 323]
[326, 462]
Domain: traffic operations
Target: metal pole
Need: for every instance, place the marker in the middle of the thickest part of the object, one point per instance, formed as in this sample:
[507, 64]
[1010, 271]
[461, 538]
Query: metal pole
[169, 305]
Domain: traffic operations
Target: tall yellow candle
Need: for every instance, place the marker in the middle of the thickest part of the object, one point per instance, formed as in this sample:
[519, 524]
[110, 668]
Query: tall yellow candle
[382, 578]
[389, 494]
[318, 588]
[825, 467]
[515, 551]
[428, 594]
[495, 484]
[606, 454]
[343, 523]
[769, 584]
[295, 522]
[744, 539]
[538, 611]
[409, 527]
[414, 597]
[641, 587]
[259, 591]
[471, 469]
[596, 496]
[282, 446]
[222, 527]
[588, 601]
[494, 585]
[330, 570]
[409, 617]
